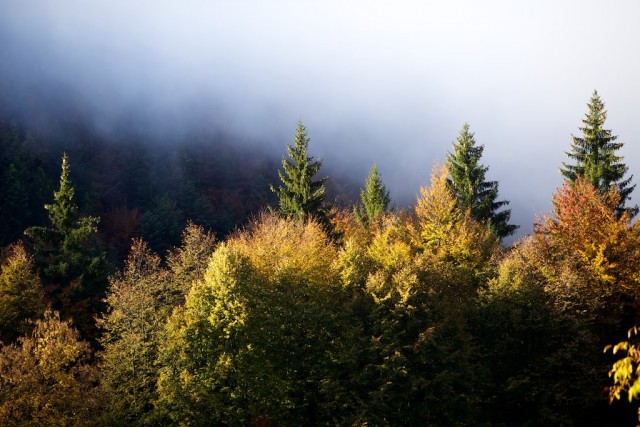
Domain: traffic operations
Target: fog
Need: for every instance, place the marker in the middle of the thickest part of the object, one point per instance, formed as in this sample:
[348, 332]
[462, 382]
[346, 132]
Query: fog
[373, 81]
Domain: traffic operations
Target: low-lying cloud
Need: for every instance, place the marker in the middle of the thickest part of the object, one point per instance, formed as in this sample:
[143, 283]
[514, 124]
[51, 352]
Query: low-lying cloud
[374, 81]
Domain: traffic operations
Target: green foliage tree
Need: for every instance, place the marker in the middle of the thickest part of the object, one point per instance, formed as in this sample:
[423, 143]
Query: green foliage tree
[47, 379]
[299, 195]
[596, 156]
[467, 181]
[252, 342]
[67, 255]
[374, 198]
[21, 296]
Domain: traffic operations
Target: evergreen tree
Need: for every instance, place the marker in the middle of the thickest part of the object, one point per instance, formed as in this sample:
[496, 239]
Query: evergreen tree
[595, 156]
[374, 197]
[72, 269]
[467, 182]
[299, 195]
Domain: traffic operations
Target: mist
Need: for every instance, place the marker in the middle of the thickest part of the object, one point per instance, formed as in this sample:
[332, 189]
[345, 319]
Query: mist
[376, 81]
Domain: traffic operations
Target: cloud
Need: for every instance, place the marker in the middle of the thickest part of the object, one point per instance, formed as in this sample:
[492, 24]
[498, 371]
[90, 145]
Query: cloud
[374, 81]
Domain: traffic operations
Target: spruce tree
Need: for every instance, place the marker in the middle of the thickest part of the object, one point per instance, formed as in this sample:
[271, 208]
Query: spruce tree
[72, 268]
[596, 158]
[467, 182]
[374, 197]
[299, 195]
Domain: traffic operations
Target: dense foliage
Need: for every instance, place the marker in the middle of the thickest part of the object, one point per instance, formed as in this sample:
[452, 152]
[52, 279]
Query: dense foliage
[596, 156]
[300, 195]
[306, 315]
[467, 180]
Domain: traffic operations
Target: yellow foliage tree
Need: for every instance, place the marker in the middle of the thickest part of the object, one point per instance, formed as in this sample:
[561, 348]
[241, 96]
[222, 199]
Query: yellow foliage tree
[250, 344]
[46, 378]
[21, 295]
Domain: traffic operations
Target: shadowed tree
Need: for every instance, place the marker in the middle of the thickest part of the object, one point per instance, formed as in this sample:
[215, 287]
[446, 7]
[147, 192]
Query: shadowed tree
[46, 378]
[474, 192]
[21, 296]
[596, 159]
[72, 269]
[137, 307]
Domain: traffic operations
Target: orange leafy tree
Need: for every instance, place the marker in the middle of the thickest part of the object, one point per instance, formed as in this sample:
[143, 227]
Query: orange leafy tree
[592, 254]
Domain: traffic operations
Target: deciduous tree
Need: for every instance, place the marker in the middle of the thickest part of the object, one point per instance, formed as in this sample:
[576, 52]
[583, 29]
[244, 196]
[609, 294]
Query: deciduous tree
[46, 378]
[21, 295]
[138, 301]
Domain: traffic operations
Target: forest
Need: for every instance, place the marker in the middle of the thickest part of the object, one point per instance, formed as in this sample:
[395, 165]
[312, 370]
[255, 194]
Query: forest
[198, 283]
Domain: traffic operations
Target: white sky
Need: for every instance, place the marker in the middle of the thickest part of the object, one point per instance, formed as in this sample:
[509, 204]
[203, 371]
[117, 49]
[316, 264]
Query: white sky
[390, 82]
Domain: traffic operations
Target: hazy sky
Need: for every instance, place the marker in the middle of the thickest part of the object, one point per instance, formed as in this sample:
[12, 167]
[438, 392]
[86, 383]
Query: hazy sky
[390, 82]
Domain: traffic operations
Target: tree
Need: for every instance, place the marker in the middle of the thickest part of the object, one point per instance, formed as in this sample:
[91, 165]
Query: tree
[21, 296]
[67, 255]
[253, 340]
[138, 301]
[596, 158]
[300, 196]
[561, 294]
[468, 183]
[46, 378]
[189, 262]
[412, 360]
[374, 197]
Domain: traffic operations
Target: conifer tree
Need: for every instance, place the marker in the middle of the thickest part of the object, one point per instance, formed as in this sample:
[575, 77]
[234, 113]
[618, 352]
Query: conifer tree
[374, 197]
[299, 195]
[467, 182]
[72, 269]
[596, 158]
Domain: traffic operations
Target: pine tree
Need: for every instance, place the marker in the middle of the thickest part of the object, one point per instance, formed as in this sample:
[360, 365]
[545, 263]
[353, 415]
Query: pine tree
[595, 156]
[72, 269]
[300, 196]
[374, 197]
[467, 182]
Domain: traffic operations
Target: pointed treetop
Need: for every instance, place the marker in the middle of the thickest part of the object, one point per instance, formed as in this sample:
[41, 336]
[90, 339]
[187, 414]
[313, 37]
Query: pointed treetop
[63, 211]
[595, 156]
[299, 195]
[374, 197]
[467, 182]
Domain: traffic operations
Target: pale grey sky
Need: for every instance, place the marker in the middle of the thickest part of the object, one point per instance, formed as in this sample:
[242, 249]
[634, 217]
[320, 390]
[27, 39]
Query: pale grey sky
[390, 82]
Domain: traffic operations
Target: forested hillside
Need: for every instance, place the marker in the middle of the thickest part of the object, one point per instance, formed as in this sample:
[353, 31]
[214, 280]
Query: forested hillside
[196, 282]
